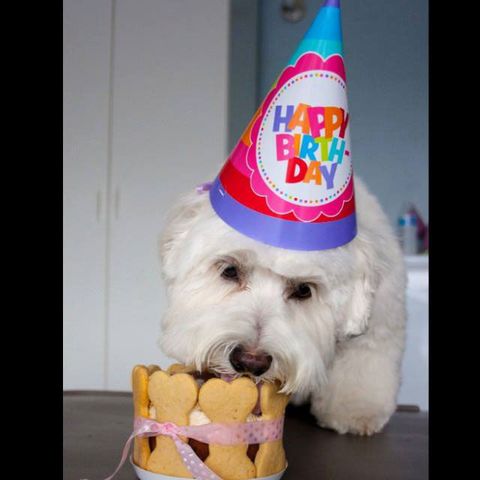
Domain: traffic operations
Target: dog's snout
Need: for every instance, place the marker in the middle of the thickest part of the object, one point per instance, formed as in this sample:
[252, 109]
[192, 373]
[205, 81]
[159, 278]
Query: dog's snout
[254, 362]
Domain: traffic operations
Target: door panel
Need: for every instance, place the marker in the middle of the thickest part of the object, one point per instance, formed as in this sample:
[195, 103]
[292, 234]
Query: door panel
[169, 134]
[86, 58]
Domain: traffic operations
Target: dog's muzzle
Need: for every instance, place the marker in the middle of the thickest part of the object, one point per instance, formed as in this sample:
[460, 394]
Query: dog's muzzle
[250, 361]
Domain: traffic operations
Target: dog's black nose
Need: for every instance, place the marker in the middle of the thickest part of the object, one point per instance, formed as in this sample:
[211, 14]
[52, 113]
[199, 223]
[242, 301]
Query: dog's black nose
[253, 362]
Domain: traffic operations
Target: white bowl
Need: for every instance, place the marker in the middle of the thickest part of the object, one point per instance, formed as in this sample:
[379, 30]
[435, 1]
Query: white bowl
[146, 475]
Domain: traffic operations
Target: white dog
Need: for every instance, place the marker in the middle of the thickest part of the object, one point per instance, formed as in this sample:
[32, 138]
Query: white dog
[329, 324]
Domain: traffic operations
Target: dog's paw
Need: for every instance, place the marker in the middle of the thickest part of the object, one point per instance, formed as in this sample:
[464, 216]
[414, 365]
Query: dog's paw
[357, 425]
[359, 420]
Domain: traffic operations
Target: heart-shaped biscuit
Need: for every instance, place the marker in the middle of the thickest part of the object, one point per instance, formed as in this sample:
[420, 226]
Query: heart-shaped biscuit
[270, 458]
[141, 446]
[272, 403]
[140, 390]
[174, 397]
[180, 368]
[152, 368]
[225, 402]
[228, 402]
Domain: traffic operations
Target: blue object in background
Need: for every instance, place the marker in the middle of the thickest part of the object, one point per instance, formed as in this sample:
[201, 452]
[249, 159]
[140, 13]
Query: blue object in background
[408, 233]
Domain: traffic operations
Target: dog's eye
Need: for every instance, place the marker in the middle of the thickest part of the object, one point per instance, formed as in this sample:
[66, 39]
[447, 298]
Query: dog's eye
[230, 273]
[302, 291]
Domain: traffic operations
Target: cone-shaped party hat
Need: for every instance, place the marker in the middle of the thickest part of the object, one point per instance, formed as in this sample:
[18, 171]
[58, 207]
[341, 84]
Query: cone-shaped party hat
[289, 180]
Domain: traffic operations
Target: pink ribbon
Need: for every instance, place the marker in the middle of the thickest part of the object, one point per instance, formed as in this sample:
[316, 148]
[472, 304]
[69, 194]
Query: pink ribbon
[216, 433]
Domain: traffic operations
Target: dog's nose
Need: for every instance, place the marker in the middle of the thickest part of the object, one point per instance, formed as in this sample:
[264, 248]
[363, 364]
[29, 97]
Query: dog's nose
[253, 362]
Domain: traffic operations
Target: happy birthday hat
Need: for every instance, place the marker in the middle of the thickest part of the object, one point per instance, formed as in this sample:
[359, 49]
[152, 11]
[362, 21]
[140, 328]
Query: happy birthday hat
[289, 180]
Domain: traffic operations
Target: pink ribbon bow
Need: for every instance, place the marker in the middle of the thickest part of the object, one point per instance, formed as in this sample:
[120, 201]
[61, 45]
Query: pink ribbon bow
[217, 433]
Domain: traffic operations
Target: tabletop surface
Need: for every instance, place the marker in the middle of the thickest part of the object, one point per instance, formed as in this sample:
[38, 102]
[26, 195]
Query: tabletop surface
[97, 424]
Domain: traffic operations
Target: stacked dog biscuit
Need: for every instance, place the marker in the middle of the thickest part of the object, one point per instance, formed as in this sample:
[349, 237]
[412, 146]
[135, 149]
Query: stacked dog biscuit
[182, 396]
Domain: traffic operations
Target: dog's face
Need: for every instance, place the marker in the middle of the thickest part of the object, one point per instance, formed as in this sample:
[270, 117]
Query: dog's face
[236, 305]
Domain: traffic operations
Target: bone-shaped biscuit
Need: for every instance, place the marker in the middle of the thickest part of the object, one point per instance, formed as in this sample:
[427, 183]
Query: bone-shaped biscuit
[152, 368]
[173, 396]
[225, 402]
[141, 447]
[270, 457]
[180, 368]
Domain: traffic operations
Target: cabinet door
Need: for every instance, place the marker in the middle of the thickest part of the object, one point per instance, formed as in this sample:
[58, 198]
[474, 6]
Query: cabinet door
[86, 59]
[169, 134]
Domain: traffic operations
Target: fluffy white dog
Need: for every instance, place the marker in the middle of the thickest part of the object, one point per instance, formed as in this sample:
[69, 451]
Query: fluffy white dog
[329, 324]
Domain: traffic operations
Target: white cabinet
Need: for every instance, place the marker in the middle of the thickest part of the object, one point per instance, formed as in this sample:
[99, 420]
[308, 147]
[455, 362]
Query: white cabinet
[167, 132]
[86, 40]
[414, 389]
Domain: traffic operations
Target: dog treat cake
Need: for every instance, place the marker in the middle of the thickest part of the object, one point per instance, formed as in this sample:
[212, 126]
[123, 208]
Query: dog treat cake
[201, 426]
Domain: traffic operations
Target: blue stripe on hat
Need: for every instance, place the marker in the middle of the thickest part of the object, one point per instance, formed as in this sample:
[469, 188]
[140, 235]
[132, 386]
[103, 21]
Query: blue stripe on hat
[325, 34]
[324, 47]
[327, 25]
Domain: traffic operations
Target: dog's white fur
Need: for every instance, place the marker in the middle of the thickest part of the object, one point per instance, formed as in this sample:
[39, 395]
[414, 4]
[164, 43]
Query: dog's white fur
[341, 349]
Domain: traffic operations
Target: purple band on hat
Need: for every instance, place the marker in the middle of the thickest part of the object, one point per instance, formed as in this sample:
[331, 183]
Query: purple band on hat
[278, 231]
[332, 3]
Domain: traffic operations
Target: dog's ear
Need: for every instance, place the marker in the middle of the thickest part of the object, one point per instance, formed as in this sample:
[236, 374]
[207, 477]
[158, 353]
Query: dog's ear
[358, 313]
[362, 292]
[179, 222]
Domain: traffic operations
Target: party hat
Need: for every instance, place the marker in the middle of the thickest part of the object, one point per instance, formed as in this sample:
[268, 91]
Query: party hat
[289, 180]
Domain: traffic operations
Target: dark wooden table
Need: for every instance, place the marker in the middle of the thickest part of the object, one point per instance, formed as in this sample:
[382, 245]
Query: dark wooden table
[96, 425]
